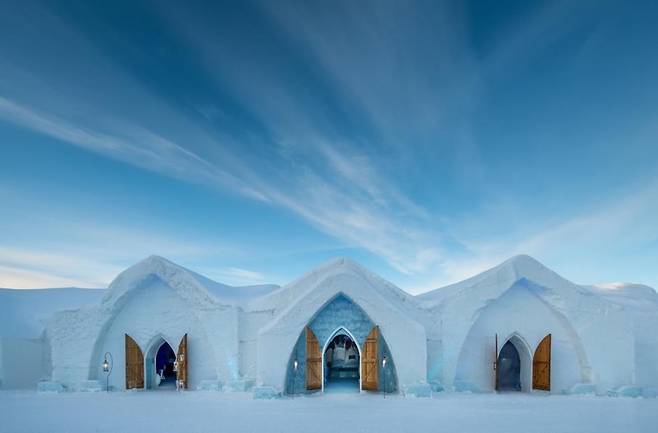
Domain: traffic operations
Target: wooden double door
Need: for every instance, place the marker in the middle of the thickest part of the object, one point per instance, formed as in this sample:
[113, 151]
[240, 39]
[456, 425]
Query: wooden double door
[135, 363]
[369, 361]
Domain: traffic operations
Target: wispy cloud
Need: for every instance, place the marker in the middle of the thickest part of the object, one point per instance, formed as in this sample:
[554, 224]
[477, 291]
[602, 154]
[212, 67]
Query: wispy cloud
[348, 201]
[573, 243]
[91, 255]
[235, 276]
[19, 278]
[20, 268]
[352, 118]
[133, 144]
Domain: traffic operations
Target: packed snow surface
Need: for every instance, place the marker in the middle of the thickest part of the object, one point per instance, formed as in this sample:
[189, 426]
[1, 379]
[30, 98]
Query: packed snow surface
[23, 312]
[208, 412]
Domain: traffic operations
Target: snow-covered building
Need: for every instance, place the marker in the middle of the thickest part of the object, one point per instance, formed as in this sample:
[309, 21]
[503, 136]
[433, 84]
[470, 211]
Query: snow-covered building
[518, 326]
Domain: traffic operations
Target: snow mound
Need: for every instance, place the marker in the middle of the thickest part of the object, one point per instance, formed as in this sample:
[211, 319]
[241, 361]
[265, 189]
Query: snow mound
[155, 267]
[23, 312]
[628, 295]
[502, 277]
[189, 285]
[334, 268]
[235, 293]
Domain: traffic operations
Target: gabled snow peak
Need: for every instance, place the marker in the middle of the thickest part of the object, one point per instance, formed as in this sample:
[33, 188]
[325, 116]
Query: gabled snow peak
[175, 276]
[349, 272]
[523, 261]
[494, 281]
[525, 266]
[342, 261]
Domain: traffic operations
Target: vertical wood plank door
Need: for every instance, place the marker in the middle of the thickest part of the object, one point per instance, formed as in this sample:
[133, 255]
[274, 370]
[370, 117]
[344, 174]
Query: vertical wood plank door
[313, 361]
[541, 365]
[134, 364]
[182, 358]
[369, 364]
[495, 365]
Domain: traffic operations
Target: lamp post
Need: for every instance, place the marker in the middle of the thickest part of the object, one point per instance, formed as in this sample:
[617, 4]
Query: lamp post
[107, 369]
[384, 369]
[295, 366]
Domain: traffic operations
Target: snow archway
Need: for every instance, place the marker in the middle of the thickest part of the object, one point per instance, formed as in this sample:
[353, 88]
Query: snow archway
[325, 370]
[339, 315]
[522, 351]
[522, 316]
[150, 359]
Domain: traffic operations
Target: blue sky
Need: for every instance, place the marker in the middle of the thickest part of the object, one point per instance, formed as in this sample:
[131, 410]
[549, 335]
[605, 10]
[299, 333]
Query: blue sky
[250, 141]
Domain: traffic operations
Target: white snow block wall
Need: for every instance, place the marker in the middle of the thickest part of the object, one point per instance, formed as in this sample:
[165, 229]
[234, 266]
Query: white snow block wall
[521, 315]
[646, 350]
[71, 336]
[404, 336]
[156, 313]
[603, 339]
[21, 362]
[250, 323]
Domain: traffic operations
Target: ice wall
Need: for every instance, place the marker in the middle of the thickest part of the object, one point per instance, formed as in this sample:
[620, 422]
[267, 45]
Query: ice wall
[520, 313]
[157, 312]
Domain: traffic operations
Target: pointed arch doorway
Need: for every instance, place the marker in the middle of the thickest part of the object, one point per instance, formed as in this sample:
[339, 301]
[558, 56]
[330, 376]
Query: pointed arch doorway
[329, 351]
[141, 374]
[513, 365]
[160, 365]
[509, 368]
[341, 363]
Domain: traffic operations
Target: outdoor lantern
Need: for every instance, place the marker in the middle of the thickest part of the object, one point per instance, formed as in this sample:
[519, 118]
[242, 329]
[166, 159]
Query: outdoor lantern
[384, 368]
[107, 369]
[175, 365]
[295, 364]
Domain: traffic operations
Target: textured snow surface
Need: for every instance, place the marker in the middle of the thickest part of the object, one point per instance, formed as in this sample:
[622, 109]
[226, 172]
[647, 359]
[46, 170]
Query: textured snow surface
[491, 282]
[23, 312]
[190, 285]
[247, 334]
[204, 412]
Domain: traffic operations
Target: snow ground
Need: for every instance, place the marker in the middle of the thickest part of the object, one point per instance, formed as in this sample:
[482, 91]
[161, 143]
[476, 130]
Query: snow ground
[204, 412]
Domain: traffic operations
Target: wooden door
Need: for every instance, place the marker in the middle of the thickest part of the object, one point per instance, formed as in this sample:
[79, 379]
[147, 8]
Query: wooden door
[495, 365]
[182, 359]
[313, 361]
[369, 364]
[541, 365]
[134, 364]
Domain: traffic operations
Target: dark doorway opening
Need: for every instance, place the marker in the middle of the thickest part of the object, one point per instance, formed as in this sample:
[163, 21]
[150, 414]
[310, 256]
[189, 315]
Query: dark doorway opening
[509, 368]
[342, 365]
[164, 365]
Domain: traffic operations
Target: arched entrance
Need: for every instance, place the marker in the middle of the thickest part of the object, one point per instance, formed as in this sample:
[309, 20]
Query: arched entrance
[341, 349]
[341, 363]
[514, 366]
[509, 368]
[164, 366]
[159, 369]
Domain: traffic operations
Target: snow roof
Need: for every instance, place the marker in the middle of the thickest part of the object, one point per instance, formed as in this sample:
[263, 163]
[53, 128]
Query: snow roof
[493, 282]
[191, 286]
[636, 296]
[23, 312]
[313, 279]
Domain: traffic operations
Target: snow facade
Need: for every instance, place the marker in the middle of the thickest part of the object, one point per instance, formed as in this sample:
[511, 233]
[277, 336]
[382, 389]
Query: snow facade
[565, 337]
